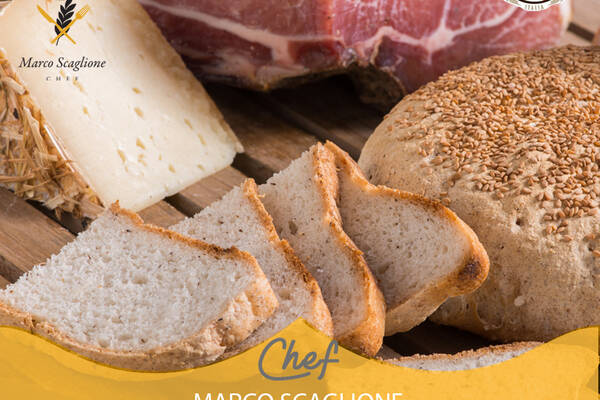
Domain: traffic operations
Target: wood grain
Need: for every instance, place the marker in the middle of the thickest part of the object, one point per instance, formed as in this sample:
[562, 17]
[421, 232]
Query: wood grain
[571, 38]
[194, 198]
[162, 214]
[27, 236]
[269, 141]
[330, 110]
[3, 283]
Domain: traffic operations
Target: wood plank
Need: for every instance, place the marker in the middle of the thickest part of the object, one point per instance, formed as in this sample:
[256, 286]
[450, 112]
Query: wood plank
[194, 198]
[27, 236]
[270, 142]
[586, 14]
[329, 109]
[66, 220]
[571, 38]
[3, 283]
[162, 214]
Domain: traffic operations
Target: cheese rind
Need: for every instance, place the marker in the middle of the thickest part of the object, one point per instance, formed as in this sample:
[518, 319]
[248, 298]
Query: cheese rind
[136, 130]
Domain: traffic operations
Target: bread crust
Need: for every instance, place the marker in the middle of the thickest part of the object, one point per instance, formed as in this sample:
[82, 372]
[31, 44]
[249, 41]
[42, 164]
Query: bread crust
[241, 317]
[367, 336]
[467, 354]
[318, 315]
[464, 277]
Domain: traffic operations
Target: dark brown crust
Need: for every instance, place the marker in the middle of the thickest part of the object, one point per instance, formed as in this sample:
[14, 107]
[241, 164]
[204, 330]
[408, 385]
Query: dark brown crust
[320, 316]
[242, 315]
[490, 350]
[464, 278]
[367, 337]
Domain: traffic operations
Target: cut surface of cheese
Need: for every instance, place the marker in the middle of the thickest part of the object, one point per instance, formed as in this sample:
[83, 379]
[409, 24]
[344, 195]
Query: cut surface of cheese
[119, 106]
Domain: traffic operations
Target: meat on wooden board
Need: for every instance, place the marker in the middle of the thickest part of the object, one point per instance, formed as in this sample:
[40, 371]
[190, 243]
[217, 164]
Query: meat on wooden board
[263, 44]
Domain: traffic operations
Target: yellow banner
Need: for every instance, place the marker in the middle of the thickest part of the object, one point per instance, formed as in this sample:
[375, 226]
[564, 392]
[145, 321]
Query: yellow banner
[299, 364]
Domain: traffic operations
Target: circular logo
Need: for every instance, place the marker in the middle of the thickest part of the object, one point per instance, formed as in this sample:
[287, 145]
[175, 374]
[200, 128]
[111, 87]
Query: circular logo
[534, 5]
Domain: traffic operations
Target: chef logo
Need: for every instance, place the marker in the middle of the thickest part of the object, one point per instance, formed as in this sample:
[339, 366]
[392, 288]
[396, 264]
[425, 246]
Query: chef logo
[67, 17]
[534, 5]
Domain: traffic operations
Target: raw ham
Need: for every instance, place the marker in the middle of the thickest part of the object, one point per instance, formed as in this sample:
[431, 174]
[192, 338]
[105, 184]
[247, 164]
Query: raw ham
[395, 45]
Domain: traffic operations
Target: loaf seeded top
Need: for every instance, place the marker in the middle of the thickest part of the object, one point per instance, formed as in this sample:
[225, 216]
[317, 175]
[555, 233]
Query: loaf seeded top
[510, 144]
[526, 123]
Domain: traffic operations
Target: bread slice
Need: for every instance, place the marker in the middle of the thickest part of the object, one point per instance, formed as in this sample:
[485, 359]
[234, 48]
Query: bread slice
[301, 200]
[420, 252]
[240, 219]
[386, 352]
[464, 360]
[140, 297]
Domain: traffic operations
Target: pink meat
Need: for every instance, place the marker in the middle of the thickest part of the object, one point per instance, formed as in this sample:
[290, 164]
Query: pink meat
[262, 44]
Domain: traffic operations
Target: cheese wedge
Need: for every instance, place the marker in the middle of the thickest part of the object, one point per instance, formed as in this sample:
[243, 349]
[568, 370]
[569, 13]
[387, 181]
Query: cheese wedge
[106, 112]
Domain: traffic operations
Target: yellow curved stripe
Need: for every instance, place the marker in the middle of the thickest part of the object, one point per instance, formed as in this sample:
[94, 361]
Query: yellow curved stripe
[34, 368]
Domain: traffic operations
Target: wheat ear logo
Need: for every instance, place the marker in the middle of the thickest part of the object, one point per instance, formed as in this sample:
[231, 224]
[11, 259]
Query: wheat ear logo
[66, 18]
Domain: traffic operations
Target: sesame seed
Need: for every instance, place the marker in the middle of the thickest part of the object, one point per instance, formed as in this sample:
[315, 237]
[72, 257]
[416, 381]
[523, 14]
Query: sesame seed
[519, 127]
[590, 236]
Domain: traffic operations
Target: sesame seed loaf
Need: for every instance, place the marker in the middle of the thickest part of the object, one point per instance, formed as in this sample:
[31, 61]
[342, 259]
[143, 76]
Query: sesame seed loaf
[302, 201]
[420, 252]
[469, 359]
[140, 297]
[239, 219]
[510, 144]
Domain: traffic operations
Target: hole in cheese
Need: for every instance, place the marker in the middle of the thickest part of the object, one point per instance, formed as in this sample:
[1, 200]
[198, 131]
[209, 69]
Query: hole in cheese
[79, 86]
[122, 155]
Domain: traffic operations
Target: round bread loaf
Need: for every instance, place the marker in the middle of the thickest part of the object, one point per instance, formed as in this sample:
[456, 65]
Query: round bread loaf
[512, 145]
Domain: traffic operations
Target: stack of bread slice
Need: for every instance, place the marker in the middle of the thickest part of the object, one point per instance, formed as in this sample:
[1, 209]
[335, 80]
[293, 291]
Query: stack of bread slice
[240, 220]
[359, 240]
[315, 241]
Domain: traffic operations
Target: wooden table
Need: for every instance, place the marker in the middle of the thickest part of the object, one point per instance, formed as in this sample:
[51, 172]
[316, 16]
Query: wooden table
[275, 129]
